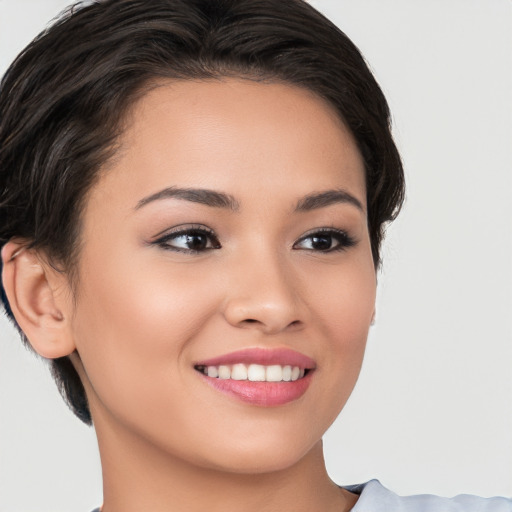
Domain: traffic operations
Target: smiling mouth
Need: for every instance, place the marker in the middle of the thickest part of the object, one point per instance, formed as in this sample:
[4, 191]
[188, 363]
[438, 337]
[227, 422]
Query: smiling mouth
[259, 376]
[254, 372]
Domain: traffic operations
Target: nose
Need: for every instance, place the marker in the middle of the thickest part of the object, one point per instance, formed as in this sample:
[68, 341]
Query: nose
[263, 294]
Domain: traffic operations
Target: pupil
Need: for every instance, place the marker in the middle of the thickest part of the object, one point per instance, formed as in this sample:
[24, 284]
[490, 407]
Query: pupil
[196, 241]
[322, 242]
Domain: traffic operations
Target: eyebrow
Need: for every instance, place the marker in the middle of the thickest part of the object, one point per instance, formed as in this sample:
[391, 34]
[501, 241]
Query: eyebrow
[216, 199]
[195, 195]
[327, 198]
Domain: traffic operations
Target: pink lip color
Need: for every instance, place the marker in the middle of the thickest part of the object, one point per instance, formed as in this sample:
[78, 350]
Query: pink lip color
[266, 394]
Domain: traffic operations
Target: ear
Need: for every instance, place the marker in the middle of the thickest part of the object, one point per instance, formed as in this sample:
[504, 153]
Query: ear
[40, 300]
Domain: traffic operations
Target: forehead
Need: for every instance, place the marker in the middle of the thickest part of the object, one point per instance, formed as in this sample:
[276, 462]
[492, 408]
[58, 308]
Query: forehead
[235, 135]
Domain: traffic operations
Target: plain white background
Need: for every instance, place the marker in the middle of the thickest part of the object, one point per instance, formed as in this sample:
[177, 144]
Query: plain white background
[432, 411]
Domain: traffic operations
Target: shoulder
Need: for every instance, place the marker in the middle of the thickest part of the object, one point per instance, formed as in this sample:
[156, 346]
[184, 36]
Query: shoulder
[374, 497]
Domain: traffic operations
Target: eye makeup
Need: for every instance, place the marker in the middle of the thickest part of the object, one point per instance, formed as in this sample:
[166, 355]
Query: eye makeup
[191, 240]
[195, 239]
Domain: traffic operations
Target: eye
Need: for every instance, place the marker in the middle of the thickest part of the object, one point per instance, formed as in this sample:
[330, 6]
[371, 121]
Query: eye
[189, 240]
[325, 240]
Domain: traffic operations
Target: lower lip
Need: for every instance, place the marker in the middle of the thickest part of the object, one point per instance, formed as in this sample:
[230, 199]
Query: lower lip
[265, 394]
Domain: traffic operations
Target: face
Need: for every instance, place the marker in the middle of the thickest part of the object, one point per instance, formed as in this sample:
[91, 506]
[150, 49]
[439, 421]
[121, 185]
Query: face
[226, 283]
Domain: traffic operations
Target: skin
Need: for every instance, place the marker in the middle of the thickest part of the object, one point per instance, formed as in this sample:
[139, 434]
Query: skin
[144, 313]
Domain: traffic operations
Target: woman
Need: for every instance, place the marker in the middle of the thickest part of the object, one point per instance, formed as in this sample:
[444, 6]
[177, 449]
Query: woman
[207, 176]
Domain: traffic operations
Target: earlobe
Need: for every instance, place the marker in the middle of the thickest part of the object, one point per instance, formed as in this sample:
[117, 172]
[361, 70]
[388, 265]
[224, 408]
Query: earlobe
[37, 299]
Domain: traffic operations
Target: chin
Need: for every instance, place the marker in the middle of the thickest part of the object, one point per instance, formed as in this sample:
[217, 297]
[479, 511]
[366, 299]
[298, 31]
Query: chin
[246, 457]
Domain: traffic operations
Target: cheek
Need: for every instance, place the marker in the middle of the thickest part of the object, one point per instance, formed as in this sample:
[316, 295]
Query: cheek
[133, 324]
[345, 302]
[126, 298]
[345, 309]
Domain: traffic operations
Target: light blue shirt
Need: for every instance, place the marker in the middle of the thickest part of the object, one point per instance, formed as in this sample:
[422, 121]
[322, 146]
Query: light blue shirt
[374, 497]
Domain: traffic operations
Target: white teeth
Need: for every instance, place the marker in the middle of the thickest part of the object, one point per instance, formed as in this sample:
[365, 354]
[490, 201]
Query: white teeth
[255, 372]
[239, 372]
[274, 373]
[224, 372]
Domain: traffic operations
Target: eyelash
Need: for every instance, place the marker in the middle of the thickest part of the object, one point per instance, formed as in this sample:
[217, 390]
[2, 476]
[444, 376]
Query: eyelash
[343, 239]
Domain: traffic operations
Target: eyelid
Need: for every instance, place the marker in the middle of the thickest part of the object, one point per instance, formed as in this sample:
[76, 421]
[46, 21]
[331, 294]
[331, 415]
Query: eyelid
[181, 228]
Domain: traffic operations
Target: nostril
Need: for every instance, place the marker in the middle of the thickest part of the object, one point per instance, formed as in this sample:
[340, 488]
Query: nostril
[248, 322]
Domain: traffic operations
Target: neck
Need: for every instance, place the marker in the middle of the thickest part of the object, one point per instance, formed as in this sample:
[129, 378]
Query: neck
[137, 476]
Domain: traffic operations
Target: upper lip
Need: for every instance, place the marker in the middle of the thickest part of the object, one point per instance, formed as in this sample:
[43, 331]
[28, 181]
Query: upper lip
[263, 356]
